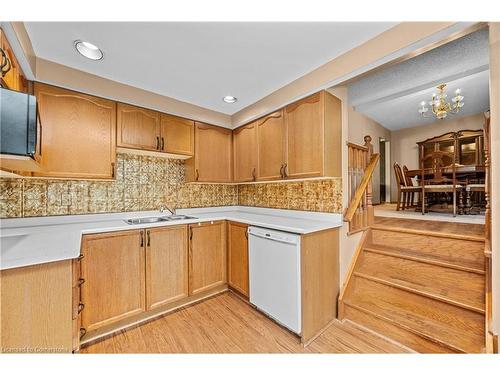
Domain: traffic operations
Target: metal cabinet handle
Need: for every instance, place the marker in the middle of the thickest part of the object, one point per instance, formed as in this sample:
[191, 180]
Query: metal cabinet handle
[149, 237]
[197, 175]
[162, 143]
[281, 171]
[81, 306]
[157, 143]
[81, 281]
[113, 170]
[254, 176]
[142, 238]
[190, 234]
[41, 132]
[83, 331]
[6, 65]
[285, 175]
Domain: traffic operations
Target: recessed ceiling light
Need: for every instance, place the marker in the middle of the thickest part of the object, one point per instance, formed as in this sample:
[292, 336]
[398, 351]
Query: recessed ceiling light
[230, 99]
[88, 50]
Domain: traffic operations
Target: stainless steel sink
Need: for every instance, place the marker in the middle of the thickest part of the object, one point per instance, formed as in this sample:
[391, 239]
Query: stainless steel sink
[155, 219]
[177, 217]
[145, 220]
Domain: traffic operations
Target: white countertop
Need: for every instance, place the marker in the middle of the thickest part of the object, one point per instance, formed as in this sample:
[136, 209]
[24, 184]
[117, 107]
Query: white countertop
[29, 241]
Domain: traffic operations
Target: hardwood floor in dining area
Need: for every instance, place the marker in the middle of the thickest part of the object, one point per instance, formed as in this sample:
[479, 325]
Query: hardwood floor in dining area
[227, 324]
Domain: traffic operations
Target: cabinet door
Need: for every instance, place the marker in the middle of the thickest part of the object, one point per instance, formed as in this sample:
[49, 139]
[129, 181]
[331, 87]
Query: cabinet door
[245, 153]
[304, 123]
[213, 154]
[138, 128]
[12, 79]
[207, 256]
[177, 135]
[113, 269]
[166, 265]
[270, 146]
[78, 134]
[36, 308]
[238, 257]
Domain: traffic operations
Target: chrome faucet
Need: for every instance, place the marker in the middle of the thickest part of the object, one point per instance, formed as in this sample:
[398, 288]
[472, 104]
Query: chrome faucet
[166, 208]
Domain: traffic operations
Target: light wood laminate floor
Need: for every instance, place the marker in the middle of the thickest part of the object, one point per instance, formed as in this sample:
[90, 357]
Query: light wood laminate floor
[226, 324]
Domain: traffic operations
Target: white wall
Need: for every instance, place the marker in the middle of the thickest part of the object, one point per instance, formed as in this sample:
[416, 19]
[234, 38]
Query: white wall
[347, 243]
[359, 126]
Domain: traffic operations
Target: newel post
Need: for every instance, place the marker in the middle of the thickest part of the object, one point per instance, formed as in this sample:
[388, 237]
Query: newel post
[369, 189]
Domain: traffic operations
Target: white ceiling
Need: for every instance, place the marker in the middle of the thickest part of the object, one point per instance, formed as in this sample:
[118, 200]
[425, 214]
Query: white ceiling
[199, 63]
[392, 96]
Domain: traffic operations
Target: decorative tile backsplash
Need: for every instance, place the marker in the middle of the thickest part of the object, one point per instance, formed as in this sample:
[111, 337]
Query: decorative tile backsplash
[146, 183]
[312, 195]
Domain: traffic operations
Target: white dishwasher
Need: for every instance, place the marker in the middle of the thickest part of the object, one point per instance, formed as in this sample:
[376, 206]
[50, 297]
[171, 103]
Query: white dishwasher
[274, 267]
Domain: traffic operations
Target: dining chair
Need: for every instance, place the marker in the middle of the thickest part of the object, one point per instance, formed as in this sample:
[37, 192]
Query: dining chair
[433, 179]
[403, 189]
[471, 189]
[409, 183]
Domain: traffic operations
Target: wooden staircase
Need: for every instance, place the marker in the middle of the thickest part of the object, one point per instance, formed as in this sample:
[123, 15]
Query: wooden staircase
[424, 288]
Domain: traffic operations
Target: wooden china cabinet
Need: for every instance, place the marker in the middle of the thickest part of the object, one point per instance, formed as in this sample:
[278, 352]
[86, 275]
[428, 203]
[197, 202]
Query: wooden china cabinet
[468, 146]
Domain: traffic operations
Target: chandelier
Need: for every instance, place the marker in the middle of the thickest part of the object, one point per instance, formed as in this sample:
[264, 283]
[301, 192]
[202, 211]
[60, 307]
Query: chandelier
[440, 106]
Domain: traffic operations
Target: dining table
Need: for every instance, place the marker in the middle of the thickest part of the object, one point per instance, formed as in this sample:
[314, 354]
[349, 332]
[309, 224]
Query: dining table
[464, 174]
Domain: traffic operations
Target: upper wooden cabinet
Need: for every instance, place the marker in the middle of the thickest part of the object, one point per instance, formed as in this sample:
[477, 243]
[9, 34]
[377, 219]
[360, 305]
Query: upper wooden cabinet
[77, 134]
[14, 79]
[313, 137]
[212, 161]
[144, 129]
[207, 256]
[177, 135]
[245, 153]
[270, 146]
[113, 270]
[237, 262]
[301, 140]
[138, 128]
[166, 265]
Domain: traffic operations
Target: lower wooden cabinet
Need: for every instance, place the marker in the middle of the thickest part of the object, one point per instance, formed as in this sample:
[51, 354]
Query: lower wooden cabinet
[207, 256]
[126, 275]
[113, 267]
[237, 262]
[36, 309]
[166, 265]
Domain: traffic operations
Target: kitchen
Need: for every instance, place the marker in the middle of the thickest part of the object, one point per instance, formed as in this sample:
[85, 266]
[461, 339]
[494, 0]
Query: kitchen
[156, 220]
[212, 192]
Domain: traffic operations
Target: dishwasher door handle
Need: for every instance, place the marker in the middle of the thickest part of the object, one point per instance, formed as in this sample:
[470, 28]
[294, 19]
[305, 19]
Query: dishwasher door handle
[272, 238]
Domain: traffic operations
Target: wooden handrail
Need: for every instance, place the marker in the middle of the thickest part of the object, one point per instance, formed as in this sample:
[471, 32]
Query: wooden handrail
[360, 191]
[355, 145]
